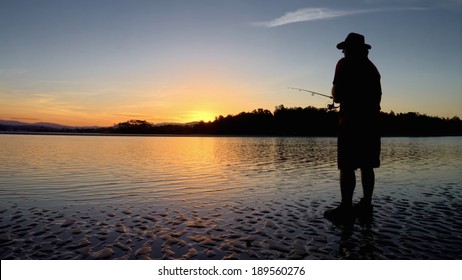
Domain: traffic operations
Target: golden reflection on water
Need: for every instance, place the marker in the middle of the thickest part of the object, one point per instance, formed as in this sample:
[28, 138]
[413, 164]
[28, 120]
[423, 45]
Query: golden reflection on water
[88, 168]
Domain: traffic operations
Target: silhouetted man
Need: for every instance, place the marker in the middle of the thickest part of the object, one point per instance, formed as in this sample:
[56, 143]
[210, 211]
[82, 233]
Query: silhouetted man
[357, 88]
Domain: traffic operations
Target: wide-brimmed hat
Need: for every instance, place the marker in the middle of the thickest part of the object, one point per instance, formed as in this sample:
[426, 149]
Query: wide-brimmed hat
[353, 40]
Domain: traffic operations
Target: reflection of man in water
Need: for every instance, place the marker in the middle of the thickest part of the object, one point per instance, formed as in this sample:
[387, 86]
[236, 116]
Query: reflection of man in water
[357, 88]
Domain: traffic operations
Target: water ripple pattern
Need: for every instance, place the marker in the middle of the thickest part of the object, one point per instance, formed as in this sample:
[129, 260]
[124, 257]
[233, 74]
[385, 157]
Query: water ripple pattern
[90, 169]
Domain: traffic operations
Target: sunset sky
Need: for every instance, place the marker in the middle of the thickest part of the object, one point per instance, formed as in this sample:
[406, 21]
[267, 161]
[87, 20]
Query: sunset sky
[100, 62]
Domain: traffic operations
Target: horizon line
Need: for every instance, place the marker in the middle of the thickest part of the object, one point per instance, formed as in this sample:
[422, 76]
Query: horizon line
[197, 121]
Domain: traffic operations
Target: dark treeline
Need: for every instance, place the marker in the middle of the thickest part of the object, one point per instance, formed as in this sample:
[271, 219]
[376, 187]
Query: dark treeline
[296, 121]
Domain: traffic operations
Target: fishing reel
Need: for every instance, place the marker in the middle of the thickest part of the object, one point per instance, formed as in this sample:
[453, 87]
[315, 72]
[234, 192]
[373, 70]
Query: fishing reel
[332, 107]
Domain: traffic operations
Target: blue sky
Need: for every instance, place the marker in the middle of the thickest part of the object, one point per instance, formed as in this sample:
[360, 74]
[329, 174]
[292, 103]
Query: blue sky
[99, 62]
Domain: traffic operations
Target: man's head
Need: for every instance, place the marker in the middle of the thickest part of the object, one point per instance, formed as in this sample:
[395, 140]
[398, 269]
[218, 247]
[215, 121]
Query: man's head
[353, 41]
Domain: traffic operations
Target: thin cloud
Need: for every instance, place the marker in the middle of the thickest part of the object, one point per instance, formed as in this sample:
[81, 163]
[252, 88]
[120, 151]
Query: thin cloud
[313, 14]
[308, 14]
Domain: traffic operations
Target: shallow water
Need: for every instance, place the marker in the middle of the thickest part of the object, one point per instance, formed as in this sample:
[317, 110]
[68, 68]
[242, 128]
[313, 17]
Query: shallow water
[89, 197]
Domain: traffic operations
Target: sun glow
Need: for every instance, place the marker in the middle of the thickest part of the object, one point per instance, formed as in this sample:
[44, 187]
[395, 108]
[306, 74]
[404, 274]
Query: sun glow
[201, 116]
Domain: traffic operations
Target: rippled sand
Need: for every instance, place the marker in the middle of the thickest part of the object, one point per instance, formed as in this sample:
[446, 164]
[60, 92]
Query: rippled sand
[265, 229]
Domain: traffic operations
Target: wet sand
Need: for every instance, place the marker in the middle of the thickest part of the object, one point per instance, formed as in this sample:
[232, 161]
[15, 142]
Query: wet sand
[292, 228]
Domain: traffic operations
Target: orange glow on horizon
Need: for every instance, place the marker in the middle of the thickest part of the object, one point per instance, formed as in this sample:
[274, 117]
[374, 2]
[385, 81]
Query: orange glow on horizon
[202, 116]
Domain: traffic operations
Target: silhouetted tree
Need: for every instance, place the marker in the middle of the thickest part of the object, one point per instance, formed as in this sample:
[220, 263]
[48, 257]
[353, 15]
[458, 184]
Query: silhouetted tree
[133, 126]
[297, 121]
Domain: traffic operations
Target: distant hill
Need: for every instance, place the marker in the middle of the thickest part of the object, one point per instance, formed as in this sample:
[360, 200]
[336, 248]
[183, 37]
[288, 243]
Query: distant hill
[9, 125]
[17, 126]
[16, 123]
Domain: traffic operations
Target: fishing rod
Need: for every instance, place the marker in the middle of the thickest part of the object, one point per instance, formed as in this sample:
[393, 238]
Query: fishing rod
[329, 106]
[312, 92]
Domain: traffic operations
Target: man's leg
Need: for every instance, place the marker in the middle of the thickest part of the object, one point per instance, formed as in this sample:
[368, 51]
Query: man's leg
[368, 181]
[344, 212]
[347, 186]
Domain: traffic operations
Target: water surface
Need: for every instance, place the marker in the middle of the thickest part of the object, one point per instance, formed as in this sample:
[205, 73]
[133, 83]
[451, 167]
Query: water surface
[222, 197]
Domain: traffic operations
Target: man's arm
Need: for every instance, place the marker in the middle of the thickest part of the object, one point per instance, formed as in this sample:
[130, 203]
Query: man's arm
[336, 91]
